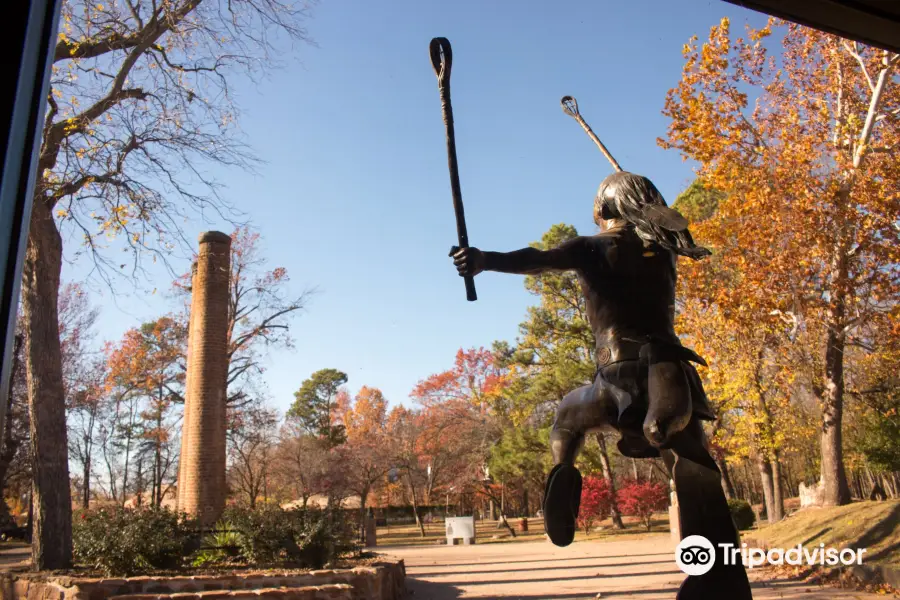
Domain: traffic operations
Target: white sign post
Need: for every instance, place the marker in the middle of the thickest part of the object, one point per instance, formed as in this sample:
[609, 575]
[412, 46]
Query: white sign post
[460, 528]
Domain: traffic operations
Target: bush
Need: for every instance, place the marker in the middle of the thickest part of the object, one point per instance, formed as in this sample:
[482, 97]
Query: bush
[641, 500]
[596, 502]
[264, 535]
[324, 537]
[221, 545]
[306, 538]
[741, 513]
[120, 541]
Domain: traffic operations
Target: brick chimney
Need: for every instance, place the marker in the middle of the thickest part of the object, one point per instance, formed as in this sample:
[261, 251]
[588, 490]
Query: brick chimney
[201, 471]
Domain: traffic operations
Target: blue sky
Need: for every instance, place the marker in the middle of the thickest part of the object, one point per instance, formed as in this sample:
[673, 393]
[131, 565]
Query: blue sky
[354, 194]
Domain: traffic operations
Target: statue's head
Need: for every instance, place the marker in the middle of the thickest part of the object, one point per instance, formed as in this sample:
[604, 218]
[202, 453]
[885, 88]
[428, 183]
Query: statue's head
[625, 198]
[621, 194]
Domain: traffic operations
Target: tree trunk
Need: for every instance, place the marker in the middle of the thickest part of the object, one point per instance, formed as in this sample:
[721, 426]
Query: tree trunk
[139, 482]
[727, 486]
[765, 479]
[51, 546]
[608, 476]
[10, 445]
[753, 492]
[634, 470]
[362, 515]
[777, 492]
[835, 491]
[157, 467]
[86, 492]
[415, 503]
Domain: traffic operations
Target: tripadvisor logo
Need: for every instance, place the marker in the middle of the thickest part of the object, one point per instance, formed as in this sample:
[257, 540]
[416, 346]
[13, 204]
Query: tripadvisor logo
[696, 555]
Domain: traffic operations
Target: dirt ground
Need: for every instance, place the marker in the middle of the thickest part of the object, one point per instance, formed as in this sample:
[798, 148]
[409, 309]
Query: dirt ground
[615, 568]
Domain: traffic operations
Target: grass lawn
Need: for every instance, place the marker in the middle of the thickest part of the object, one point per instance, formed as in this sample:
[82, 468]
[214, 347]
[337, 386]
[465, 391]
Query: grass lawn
[871, 525]
[487, 532]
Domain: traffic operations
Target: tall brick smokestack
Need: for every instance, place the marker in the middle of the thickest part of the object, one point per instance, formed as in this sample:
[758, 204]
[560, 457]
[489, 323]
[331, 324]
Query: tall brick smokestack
[201, 472]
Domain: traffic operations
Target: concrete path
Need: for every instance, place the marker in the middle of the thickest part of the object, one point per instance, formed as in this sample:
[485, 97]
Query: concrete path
[641, 569]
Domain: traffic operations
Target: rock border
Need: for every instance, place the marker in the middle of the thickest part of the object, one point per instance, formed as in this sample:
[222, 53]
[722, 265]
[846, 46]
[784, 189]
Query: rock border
[383, 580]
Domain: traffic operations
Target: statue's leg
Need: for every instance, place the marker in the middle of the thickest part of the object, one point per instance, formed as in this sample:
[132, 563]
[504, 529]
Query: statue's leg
[562, 494]
[586, 409]
[703, 511]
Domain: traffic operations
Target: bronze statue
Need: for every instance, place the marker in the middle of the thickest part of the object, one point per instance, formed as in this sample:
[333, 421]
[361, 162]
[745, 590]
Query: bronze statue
[645, 387]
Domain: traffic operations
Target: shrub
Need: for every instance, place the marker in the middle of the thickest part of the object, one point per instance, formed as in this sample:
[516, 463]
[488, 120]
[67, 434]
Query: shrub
[264, 535]
[596, 502]
[120, 541]
[220, 545]
[323, 537]
[641, 500]
[307, 538]
[741, 513]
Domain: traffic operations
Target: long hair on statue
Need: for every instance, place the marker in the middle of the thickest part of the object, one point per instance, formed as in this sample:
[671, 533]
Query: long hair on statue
[635, 199]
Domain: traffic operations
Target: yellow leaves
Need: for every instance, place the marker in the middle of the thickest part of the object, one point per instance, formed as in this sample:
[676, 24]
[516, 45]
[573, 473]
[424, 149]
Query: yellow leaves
[99, 7]
[62, 213]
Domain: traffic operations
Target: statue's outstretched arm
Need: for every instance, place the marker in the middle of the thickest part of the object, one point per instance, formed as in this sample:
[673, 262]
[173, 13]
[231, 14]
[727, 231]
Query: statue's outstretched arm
[527, 261]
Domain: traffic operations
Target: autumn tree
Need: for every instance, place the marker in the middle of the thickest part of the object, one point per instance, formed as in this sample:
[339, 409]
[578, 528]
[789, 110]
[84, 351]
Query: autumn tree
[873, 387]
[316, 407]
[406, 429]
[462, 415]
[802, 144]
[148, 364]
[366, 455]
[139, 99]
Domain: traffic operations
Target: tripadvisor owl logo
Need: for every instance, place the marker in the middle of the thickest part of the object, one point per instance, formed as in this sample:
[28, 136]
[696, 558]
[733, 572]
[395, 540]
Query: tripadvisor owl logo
[695, 555]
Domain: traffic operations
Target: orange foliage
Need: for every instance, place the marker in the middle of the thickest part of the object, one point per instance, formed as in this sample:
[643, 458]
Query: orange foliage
[804, 147]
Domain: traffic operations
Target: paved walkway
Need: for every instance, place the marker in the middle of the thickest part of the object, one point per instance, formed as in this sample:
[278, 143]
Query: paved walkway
[639, 569]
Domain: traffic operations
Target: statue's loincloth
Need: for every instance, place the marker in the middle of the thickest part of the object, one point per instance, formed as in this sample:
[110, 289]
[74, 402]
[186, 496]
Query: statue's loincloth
[625, 383]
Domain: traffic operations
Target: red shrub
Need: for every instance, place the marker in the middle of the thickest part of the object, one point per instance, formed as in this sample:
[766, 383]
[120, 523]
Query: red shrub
[596, 502]
[642, 499]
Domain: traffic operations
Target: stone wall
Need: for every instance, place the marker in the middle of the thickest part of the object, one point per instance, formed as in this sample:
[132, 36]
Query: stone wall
[384, 580]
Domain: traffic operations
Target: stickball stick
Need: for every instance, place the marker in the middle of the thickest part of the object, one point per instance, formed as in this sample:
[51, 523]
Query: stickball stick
[570, 107]
[442, 60]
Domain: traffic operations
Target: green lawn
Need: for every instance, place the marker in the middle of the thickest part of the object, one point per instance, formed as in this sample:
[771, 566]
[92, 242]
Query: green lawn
[487, 532]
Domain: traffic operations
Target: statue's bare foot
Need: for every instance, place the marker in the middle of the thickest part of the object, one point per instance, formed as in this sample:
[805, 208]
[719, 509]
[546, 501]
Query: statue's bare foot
[562, 499]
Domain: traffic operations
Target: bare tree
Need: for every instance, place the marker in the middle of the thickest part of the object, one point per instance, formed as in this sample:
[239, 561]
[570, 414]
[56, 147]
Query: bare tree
[139, 100]
[302, 463]
[260, 307]
[251, 440]
[85, 410]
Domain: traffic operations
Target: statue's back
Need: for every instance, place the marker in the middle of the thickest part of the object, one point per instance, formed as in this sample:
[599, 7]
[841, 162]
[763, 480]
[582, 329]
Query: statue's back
[629, 288]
